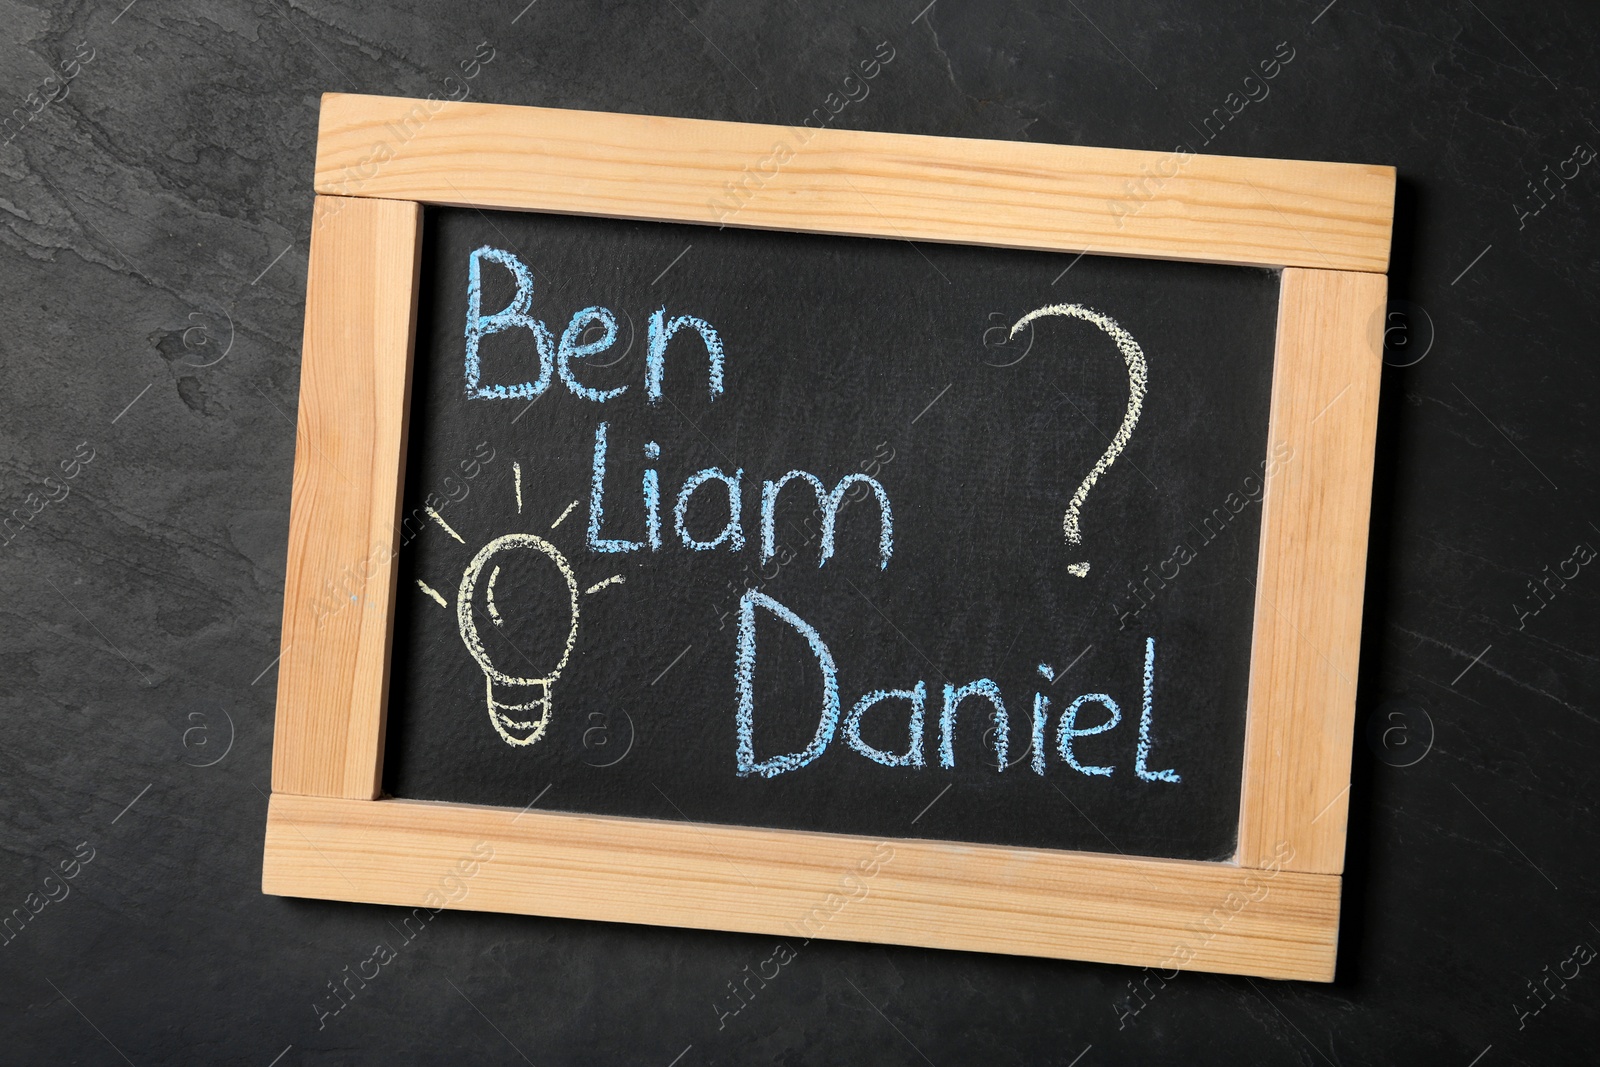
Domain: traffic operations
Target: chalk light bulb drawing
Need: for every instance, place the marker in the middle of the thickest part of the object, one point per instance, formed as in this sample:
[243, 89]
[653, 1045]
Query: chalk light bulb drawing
[518, 695]
[535, 578]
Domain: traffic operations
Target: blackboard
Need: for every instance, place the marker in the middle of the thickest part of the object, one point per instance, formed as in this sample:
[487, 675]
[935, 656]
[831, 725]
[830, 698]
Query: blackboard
[839, 356]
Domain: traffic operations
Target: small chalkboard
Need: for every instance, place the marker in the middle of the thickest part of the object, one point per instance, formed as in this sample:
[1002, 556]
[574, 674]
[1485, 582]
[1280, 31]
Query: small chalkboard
[720, 551]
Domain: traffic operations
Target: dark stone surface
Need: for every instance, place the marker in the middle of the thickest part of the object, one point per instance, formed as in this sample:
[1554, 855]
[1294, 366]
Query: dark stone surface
[154, 223]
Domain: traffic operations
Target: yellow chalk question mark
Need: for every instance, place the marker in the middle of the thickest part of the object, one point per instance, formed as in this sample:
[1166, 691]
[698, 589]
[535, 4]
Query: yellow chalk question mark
[1138, 380]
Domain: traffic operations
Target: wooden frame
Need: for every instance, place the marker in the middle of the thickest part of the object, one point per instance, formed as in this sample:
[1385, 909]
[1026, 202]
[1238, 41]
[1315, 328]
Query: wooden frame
[1272, 910]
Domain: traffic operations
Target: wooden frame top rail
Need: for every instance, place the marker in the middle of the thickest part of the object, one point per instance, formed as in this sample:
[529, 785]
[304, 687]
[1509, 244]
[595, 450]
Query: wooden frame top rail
[1012, 194]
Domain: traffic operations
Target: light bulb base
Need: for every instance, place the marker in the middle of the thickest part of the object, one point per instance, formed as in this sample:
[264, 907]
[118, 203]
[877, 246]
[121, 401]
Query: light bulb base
[519, 712]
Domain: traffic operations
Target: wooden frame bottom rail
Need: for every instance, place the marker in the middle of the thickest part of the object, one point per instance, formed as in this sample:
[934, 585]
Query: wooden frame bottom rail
[1168, 914]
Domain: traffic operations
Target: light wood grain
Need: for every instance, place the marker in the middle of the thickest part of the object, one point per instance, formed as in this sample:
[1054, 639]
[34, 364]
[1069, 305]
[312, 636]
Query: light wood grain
[1003, 193]
[1158, 913]
[1272, 913]
[1312, 569]
[355, 379]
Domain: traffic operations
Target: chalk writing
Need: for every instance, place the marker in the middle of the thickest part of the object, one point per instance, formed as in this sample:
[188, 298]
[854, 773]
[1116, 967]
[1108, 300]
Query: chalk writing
[758, 577]
[912, 756]
[519, 702]
[731, 536]
[1138, 385]
[744, 676]
[553, 356]
[1068, 732]
[516, 693]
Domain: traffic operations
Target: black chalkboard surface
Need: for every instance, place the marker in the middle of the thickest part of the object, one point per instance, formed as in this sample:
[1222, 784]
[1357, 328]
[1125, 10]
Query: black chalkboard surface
[664, 627]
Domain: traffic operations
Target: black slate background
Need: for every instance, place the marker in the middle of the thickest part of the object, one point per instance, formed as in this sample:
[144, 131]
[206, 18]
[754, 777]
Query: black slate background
[842, 354]
[161, 210]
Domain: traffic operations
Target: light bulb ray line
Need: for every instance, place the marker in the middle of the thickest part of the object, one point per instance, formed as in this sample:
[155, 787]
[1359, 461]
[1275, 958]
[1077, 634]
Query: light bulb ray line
[436, 517]
[564, 514]
[615, 579]
[434, 593]
[516, 477]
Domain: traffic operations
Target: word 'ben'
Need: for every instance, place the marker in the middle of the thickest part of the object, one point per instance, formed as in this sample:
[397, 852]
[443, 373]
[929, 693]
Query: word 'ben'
[556, 355]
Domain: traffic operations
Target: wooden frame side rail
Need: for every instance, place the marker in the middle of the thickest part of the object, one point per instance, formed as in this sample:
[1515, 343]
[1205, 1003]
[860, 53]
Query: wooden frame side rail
[1272, 910]
[349, 463]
